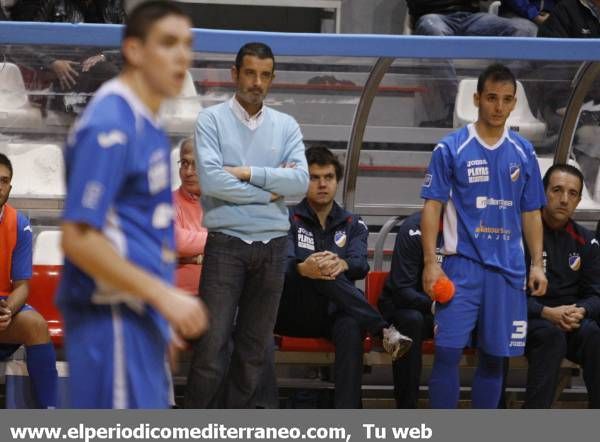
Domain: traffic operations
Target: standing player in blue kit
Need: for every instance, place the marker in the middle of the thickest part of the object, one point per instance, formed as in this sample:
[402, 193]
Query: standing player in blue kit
[486, 180]
[116, 292]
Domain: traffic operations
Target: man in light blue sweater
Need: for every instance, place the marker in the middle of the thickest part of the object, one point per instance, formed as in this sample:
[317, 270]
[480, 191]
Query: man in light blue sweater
[249, 158]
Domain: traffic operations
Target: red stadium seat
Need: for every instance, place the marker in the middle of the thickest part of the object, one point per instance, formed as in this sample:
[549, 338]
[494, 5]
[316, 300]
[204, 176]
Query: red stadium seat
[315, 345]
[42, 289]
[374, 286]
[47, 266]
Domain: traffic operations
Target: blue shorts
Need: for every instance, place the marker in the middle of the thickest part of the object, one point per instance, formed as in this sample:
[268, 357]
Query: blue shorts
[484, 302]
[6, 350]
[116, 358]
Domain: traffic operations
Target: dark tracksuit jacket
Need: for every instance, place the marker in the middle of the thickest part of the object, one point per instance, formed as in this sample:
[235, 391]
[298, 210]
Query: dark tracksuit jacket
[346, 235]
[572, 266]
[404, 285]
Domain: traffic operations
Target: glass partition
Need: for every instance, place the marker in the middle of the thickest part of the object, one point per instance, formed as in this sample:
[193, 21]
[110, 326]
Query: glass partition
[432, 98]
[45, 85]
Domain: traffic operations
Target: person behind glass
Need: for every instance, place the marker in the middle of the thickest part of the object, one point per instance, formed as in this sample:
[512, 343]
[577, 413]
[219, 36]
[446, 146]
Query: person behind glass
[565, 322]
[71, 69]
[190, 234]
[249, 157]
[486, 181]
[20, 324]
[459, 17]
[327, 253]
[404, 303]
[116, 294]
[454, 18]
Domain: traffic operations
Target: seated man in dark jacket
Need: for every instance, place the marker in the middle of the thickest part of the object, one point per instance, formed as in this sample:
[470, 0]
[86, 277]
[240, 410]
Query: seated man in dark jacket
[405, 304]
[327, 253]
[564, 322]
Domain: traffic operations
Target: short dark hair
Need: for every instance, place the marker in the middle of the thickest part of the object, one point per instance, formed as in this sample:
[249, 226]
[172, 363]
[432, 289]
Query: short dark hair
[324, 157]
[567, 168]
[496, 72]
[144, 15]
[4, 161]
[255, 49]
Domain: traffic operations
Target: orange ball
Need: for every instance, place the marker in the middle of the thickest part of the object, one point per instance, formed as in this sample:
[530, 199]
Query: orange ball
[443, 290]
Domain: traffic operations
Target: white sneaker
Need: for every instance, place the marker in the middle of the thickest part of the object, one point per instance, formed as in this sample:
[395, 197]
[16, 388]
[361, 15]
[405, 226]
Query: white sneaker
[395, 343]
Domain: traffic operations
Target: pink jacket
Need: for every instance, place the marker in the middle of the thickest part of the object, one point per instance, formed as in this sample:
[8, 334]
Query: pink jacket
[190, 238]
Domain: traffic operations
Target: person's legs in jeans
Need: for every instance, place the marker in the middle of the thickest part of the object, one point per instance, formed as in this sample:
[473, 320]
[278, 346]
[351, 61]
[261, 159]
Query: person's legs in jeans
[545, 349]
[439, 24]
[482, 23]
[257, 312]
[348, 340]
[267, 393]
[221, 284]
[441, 88]
[407, 370]
[526, 26]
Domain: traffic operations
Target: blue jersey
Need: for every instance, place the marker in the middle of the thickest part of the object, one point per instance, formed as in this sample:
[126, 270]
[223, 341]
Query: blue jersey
[486, 189]
[118, 180]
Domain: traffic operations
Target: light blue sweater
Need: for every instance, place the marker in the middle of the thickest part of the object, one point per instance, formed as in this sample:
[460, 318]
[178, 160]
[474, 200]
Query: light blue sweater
[243, 209]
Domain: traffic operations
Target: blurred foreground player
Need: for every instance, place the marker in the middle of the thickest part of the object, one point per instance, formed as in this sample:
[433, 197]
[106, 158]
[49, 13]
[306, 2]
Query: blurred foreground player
[487, 181]
[116, 294]
[19, 323]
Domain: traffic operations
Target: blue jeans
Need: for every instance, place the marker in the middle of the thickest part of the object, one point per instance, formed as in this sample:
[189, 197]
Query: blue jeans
[247, 278]
[470, 23]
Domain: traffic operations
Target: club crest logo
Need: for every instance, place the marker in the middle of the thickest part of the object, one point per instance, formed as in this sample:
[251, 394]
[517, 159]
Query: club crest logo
[515, 171]
[575, 262]
[340, 238]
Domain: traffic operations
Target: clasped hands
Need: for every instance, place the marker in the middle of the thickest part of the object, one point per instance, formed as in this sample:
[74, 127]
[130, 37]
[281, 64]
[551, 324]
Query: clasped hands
[322, 265]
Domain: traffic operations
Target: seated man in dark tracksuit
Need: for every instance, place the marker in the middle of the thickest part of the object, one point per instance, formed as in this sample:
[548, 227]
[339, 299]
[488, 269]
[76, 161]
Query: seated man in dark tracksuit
[327, 254]
[404, 304]
[564, 322]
